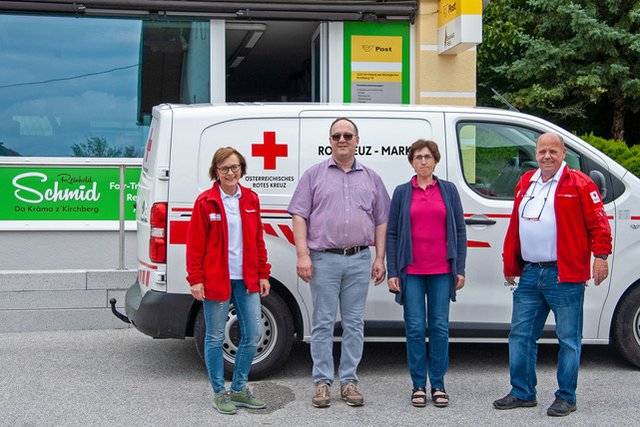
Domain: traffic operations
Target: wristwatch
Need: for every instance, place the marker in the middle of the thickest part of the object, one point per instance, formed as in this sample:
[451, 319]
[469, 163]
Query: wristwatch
[602, 256]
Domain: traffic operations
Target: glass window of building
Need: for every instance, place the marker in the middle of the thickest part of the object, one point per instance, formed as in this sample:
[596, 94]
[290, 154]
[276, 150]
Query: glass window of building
[85, 87]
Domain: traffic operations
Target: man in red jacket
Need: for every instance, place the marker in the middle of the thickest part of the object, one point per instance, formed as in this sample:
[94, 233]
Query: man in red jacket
[558, 221]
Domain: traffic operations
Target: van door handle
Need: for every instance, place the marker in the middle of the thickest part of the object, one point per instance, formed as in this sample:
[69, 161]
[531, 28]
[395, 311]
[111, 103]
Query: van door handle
[476, 221]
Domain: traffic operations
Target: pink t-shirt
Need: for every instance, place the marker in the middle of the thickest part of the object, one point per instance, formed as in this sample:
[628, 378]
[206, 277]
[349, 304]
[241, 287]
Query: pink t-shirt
[428, 230]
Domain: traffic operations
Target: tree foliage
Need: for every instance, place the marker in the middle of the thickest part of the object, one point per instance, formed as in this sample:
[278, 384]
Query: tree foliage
[99, 147]
[628, 157]
[562, 58]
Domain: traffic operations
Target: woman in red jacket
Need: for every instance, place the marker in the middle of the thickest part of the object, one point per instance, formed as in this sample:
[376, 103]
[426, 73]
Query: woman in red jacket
[227, 263]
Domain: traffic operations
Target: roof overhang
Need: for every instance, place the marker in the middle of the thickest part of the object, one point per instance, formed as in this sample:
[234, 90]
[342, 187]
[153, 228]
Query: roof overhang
[307, 10]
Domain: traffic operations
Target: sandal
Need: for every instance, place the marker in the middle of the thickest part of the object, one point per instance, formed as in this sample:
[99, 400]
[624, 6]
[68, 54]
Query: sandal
[419, 397]
[440, 400]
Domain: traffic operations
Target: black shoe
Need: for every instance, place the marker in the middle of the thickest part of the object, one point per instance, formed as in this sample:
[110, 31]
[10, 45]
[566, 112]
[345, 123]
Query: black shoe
[511, 402]
[560, 408]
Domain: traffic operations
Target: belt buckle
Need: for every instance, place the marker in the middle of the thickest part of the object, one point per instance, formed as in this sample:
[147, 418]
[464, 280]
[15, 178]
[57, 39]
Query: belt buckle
[351, 251]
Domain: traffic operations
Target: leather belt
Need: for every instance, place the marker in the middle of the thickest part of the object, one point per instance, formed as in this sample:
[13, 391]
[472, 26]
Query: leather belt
[544, 264]
[346, 251]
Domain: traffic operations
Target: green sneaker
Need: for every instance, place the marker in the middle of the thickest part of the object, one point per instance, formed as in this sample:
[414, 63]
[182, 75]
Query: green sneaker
[246, 399]
[222, 403]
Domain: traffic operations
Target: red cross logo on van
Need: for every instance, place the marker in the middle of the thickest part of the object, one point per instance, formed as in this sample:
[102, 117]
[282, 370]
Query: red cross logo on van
[269, 150]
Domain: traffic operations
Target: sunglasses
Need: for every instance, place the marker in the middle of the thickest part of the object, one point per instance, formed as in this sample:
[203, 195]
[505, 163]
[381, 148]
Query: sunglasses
[347, 136]
[533, 207]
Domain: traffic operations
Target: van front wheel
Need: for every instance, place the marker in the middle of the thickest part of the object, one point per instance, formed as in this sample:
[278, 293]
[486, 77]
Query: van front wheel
[275, 341]
[626, 327]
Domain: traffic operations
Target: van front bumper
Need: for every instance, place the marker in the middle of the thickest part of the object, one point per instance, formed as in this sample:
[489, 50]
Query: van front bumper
[159, 314]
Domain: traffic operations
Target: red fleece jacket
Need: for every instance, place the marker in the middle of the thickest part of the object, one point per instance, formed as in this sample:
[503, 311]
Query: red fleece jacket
[208, 244]
[581, 222]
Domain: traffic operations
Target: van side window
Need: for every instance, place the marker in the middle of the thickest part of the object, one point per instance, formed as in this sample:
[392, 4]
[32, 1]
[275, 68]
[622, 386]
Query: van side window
[495, 155]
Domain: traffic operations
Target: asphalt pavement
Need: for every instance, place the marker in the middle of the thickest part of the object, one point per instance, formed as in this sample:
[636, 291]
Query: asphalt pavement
[122, 377]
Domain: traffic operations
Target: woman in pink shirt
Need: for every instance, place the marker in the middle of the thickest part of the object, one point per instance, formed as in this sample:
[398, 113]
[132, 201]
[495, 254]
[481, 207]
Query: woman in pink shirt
[426, 254]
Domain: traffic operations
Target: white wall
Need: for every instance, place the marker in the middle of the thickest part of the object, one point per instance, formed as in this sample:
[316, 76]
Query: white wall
[62, 250]
[55, 280]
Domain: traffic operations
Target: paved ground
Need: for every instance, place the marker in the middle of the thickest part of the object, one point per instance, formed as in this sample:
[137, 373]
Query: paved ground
[121, 377]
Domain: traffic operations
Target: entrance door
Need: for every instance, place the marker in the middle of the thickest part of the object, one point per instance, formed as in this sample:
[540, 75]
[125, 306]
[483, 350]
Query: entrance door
[268, 61]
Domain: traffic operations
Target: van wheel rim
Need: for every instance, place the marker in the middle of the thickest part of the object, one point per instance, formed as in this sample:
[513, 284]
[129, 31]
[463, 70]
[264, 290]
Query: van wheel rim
[636, 326]
[268, 336]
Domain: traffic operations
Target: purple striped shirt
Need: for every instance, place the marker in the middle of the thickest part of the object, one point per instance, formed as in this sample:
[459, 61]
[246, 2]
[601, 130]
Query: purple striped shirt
[342, 209]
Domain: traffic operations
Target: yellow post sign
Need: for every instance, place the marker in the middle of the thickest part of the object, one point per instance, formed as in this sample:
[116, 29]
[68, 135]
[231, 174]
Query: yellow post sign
[376, 59]
[459, 25]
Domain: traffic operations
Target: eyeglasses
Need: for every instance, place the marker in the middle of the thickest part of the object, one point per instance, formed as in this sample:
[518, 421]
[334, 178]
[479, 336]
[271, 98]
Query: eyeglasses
[225, 169]
[533, 207]
[422, 157]
[347, 136]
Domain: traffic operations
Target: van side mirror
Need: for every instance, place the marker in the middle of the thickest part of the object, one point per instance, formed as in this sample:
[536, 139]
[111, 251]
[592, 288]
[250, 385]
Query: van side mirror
[600, 181]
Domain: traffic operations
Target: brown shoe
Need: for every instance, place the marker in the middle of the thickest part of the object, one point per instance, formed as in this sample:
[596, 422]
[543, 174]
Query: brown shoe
[322, 398]
[350, 394]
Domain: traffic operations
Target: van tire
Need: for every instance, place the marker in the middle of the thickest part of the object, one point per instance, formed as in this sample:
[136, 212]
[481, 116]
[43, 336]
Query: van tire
[626, 327]
[275, 344]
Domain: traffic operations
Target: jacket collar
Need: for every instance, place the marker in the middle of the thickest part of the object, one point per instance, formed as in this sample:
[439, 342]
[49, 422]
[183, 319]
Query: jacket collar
[215, 192]
[556, 177]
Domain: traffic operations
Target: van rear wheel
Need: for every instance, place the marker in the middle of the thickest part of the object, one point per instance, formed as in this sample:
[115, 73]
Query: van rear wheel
[275, 342]
[626, 327]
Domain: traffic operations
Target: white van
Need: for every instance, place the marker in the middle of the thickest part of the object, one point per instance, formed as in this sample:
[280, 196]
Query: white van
[484, 151]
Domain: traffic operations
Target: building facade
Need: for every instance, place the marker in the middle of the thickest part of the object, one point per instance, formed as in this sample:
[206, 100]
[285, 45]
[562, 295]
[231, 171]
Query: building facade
[78, 81]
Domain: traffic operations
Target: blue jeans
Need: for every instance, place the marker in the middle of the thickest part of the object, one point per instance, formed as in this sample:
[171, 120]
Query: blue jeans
[247, 306]
[537, 293]
[436, 289]
[342, 280]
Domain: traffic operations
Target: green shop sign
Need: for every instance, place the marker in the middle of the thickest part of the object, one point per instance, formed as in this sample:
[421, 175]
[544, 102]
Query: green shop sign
[64, 194]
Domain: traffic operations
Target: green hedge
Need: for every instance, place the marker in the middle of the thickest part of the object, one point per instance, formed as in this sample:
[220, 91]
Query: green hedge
[618, 151]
